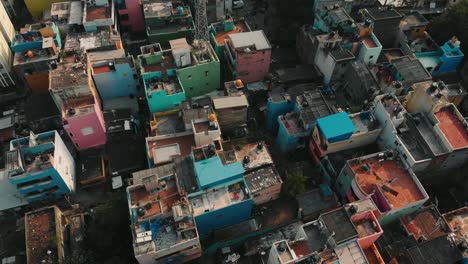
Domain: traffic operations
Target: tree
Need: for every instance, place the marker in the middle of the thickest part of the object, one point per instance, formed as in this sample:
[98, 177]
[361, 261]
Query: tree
[454, 22]
[295, 183]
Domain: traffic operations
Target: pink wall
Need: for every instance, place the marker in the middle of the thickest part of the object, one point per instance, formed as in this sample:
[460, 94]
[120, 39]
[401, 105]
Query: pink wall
[268, 194]
[92, 120]
[369, 240]
[135, 22]
[253, 66]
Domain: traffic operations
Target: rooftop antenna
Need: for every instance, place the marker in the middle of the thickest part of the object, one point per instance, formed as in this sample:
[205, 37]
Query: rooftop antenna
[201, 26]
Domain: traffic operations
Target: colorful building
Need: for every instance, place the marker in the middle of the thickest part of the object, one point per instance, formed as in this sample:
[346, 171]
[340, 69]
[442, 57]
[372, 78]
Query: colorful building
[98, 15]
[222, 199]
[296, 127]
[343, 131]
[446, 59]
[219, 32]
[166, 21]
[7, 32]
[198, 70]
[131, 15]
[163, 93]
[384, 177]
[248, 56]
[84, 122]
[114, 75]
[40, 166]
[36, 47]
[277, 104]
[162, 224]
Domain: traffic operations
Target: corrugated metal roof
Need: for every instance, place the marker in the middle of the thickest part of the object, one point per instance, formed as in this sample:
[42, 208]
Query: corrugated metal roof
[76, 13]
[246, 39]
[230, 101]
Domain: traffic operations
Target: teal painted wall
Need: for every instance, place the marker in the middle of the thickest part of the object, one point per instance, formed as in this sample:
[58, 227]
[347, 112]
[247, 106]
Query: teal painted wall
[159, 101]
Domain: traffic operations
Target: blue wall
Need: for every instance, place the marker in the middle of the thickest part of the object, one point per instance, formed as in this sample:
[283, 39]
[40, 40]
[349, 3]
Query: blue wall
[118, 83]
[451, 59]
[224, 217]
[212, 172]
[286, 142]
[24, 46]
[274, 110]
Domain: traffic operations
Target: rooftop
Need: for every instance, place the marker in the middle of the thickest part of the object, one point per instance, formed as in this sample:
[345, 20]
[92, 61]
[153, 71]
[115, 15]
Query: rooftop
[255, 40]
[439, 250]
[171, 124]
[170, 85]
[350, 253]
[258, 154]
[342, 55]
[425, 224]
[338, 222]
[312, 106]
[388, 55]
[94, 12]
[384, 12]
[107, 65]
[315, 202]
[397, 184]
[185, 143]
[92, 41]
[411, 70]
[149, 62]
[126, 154]
[458, 220]
[262, 178]
[118, 120]
[414, 19]
[230, 102]
[40, 234]
[186, 173]
[37, 55]
[220, 197]
[163, 9]
[234, 88]
[454, 127]
[68, 75]
[292, 123]
[221, 35]
[211, 171]
[91, 165]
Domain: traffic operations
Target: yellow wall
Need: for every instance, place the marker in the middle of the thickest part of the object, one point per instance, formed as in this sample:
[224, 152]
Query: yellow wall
[36, 7]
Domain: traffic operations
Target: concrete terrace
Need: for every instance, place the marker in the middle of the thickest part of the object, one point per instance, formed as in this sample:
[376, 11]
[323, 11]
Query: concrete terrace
[454, 127]
[395, 182]
[221, 35]
[40, 232]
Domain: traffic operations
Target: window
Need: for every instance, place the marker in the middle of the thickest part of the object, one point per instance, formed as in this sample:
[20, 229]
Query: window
[124, 17]
[71, 134]
[189, 77]
[87, 131]
[77, 145]
[206, 73]
[371, 57]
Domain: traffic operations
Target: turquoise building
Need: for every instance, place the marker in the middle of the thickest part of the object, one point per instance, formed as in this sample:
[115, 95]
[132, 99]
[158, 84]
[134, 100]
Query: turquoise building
[35, 36]
[223, 199]
[444, 60]
[163, 92]
[40, 166]
[277, 105]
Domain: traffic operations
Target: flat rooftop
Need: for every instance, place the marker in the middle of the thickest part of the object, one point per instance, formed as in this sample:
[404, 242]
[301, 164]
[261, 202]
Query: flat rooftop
[220, 198]
[80, 105]
[171, 124]
[255, 40]
[384, 12]
[454, 129]
[89, 41]
[391, 54]
[68, 75]
[339, 222]
[221, 35]
[369, 42]
[97, 12]
[186, 173]
[312, 106]
[395, 182]
[425, 224]
[185, 142]
[350, 253]
[103, 66]
[342, 55]
[204, 126]
[414, 19]
[40, 233]
[314, 202]
[411, 70]
[262, 178]
[90, 164]
[258, 155]
[439, 250]
[170, 86]
[292, 123]
[38, 55]
[166, 63]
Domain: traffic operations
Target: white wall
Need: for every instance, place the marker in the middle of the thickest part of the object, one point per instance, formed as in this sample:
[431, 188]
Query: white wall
[326, 65]
[64, 162]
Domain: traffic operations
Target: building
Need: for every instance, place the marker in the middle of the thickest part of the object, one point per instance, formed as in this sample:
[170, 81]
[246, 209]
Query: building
[232, 109]
[248, 56]
[163, 92]
[68, 16]
[113, 73]
[84, 122]
[166, 21]
[428, 130]
[386, 22]
[40, 166]
[92, 41]
[264, 184]
[400, 74]
[68, 79]
[98, 15]
[445, 60]
[384, 177]
[36, 47]
[198, 70]
[455, 220]
[130, 15]
[222, 199]
[162, 223]
[296, 127]
[220, 31]
[342, 131]
[37, 8]
[425, 224]
[361, 85]
[7, 32]
[316, 201]
[51, 234]
[92, 167]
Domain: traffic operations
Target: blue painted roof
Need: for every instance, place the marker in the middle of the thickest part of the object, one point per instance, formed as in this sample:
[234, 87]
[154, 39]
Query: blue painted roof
[336, 125]
[211, 172]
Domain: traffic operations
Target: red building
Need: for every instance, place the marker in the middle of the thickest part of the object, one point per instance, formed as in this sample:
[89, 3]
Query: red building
[131, 15]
